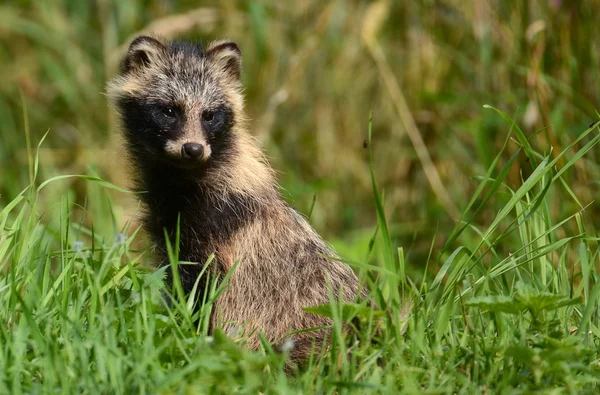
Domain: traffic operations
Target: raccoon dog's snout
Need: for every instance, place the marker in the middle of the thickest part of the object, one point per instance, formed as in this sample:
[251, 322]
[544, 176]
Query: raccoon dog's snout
[192, 152]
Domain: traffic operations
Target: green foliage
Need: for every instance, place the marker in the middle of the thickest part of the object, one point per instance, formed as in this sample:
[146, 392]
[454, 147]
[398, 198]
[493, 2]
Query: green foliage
[525, 298]
[501, 296]
[83, 313]
[542, 348]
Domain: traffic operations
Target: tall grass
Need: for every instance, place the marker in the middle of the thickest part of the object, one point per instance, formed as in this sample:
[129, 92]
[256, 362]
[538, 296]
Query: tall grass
[82, 313]
[474, 230]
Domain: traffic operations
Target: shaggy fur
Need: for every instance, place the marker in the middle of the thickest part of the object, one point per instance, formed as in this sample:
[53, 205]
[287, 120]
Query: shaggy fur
[172, 93]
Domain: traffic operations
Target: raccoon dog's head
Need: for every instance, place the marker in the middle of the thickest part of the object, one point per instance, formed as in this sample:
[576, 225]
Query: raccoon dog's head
[179, 101]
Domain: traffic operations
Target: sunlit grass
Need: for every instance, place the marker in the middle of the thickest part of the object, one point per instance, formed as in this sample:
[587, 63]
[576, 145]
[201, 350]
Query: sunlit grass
[513, 305]
[486, 222]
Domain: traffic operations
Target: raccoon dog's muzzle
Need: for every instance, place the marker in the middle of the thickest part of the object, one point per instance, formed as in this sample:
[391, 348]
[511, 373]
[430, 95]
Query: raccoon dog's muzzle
[188, 154]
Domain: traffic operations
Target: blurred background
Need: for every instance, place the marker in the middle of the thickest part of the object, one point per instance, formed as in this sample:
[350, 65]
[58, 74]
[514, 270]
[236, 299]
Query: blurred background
[313, 70]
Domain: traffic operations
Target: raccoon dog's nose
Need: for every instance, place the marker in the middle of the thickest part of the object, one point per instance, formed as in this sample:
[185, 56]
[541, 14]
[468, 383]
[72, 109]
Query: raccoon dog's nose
[192, 151]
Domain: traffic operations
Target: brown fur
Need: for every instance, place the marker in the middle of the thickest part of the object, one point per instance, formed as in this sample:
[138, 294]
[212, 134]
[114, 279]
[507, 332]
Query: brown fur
[284, 265]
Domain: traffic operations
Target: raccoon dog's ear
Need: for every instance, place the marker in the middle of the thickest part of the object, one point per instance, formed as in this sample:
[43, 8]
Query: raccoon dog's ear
[227, 55]
[144, 51]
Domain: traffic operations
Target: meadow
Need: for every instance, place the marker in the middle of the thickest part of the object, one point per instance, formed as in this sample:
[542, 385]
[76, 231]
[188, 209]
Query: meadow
[447, 149]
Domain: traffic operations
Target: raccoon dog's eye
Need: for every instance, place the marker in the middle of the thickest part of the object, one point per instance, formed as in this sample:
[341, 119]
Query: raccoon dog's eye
[208, 116]
[215, 121]
[168, 112]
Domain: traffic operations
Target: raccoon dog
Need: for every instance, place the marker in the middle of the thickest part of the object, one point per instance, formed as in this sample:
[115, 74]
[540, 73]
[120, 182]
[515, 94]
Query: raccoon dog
[181, 107]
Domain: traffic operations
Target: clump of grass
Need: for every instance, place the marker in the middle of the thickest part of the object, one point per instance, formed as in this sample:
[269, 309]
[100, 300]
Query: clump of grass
[513, 305]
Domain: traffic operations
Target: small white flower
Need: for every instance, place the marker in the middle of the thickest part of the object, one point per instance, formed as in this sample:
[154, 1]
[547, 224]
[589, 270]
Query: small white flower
[232, 331]
[288, 345]
[120, 239]
[78, 246]
[136, 298]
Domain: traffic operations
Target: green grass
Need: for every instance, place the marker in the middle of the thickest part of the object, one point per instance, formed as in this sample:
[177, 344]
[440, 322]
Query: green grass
[82, 314]
[487, 222]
